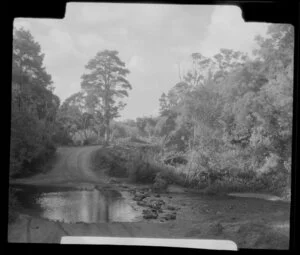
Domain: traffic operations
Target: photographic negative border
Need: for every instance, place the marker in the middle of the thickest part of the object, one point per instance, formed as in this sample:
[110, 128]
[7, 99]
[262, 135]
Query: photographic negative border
[262, 11]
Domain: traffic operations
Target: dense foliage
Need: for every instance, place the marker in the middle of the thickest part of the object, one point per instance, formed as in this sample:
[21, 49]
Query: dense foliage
[34, 106]
[231, 115]
[226, 124]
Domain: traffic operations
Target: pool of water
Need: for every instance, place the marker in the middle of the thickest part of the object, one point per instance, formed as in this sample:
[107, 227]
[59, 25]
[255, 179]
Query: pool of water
[71, 206]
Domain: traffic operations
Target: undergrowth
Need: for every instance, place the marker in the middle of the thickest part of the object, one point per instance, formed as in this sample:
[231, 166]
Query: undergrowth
[141, 163]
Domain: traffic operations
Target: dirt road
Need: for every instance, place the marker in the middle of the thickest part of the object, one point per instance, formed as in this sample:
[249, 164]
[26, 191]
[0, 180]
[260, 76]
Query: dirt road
[250, 222]
[72, 165]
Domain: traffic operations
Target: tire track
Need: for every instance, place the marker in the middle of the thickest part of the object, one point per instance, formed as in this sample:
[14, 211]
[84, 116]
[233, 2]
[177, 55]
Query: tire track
[73, 165]
[127, 229]
[101, 228]
[59, 171]
[83, 165]
[62, 229]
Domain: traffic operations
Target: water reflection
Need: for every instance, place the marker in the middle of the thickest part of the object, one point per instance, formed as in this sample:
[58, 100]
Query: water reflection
[77, 206]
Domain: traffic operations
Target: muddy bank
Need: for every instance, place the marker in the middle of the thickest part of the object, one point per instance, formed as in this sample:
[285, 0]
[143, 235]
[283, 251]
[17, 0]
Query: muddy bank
[177, 212]
[247, 234]
[250, 222]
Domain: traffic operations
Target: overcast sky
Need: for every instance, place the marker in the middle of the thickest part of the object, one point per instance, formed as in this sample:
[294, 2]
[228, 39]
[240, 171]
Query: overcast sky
[150, 39]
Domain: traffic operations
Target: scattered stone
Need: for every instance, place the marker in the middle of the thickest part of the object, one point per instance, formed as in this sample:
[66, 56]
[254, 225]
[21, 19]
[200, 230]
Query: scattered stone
[132, 191]
[146, 190]
[160, 201]
[146, 194]
[169, 216]
[142, 203]
[170, 196]
[139, 197]
[150, 214]
[139, 193]
[157, 195]
[170, 207]
[155, 205]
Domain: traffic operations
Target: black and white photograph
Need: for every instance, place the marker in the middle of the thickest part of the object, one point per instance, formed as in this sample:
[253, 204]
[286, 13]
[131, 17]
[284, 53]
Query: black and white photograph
[151, 124]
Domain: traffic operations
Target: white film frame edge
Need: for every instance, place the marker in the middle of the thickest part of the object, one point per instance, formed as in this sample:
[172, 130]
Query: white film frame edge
[210, 244]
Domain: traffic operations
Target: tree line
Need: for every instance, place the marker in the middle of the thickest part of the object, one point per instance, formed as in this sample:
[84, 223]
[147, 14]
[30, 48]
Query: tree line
[33, 105]
[229, 115]
[39, 122]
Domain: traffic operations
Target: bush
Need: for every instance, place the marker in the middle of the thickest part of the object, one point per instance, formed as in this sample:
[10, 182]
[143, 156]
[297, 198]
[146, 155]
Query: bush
[246, 175]
[141, 171]
[117, 168]
[144, 165]
[91, 140]
[112, 160]
[61, 138]
[31, 145]
[274, 182]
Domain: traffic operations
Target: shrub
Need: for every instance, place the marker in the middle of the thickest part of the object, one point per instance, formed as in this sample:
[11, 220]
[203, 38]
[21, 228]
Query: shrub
[31, 144]
[112, 160]
[62, 138]
[117, 167]
[91, 140]
[141, 171]
[246, 175]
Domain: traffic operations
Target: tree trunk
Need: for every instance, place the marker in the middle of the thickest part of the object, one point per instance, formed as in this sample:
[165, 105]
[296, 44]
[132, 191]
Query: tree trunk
[85, 129]
[98, 131]
[107, 132]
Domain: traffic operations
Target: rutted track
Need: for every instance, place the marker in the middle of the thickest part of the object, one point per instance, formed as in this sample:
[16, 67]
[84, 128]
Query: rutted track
[72, 165]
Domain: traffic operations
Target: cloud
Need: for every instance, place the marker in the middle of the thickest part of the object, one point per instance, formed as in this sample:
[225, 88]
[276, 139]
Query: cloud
[151, 39]
[57, 41]
[148, 16]
[58, 47]
[136, 63]
[62, 39]
[90, 40]
[49, 22]
[18, 23]
[182, 52]
[228, 30]
[123, 31]
[178, 26]
[64, 87]
[94, 13]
